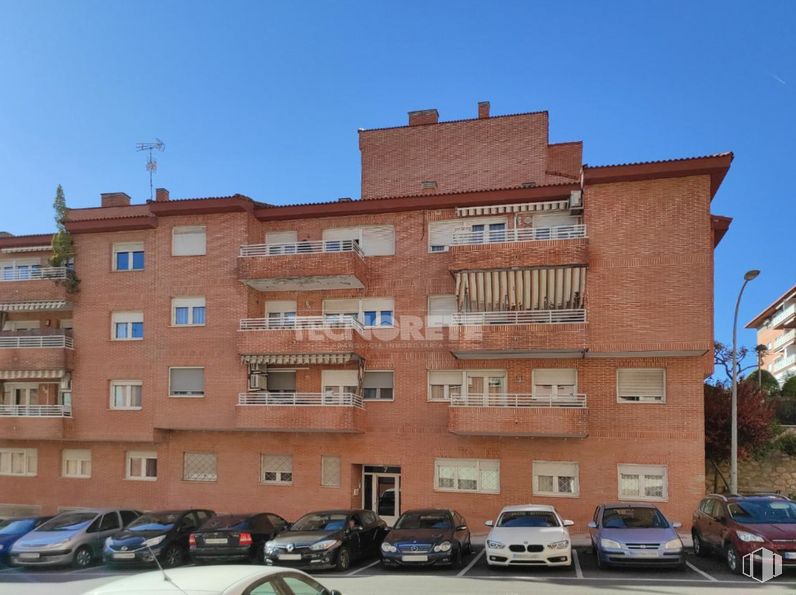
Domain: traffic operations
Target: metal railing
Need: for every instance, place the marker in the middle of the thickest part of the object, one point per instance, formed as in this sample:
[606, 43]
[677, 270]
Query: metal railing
[33, 273]
[329, 321]
[35, 411]
[518, 400]
[783, 340]
[518, 317]
[35, 341]
[518, 234]
[786, 313]
[304, 247]
[301, 399]
[783, 363]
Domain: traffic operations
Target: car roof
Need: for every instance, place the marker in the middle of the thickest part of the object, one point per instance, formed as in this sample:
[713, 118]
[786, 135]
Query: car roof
[528, 507]
[428, 511]
[628, 505]
[335, 511]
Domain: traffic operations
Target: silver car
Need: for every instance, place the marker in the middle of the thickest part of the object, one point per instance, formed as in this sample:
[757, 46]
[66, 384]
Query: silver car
[74, 538]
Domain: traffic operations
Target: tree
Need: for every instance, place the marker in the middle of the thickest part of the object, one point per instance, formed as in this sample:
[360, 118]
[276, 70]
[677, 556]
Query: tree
[63, 248]
[768, 383]
[756, 428]
[722, 356]
[789, 387]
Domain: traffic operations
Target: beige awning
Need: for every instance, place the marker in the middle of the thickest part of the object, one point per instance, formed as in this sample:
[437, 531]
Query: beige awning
[523, 207]
[46, 248]
[31, 374]
[36, 306]
[551, 288]
[295, 359]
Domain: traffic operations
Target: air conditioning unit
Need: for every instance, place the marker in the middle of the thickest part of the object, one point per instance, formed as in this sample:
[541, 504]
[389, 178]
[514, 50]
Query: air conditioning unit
[576, 201]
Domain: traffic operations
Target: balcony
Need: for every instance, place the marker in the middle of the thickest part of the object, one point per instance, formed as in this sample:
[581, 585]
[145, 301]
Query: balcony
[786, 318]
[32, 284]
[296, 266]
[783, 340]
[33, 422]
[35, 350]
[783, 363]
[300, 412]
[519, 415]
[300, 334]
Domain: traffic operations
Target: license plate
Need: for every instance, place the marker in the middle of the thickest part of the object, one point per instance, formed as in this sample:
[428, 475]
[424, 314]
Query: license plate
[789, 555]
[216, 540]
[30, 556]
[290, 556]
[645, 554]
[123, 556]
[414, 558]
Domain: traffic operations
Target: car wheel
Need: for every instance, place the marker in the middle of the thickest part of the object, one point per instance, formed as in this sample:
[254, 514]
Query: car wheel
[172, 556]
[83, 557]
[468, 549]
[343, 559]
[259, 554]
[733, 561]
[457, 561]
[601, 564]
[699, 545]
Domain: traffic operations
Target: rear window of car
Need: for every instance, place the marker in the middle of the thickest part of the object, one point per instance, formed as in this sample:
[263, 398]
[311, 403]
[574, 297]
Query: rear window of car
[528, 518]
[231, 521]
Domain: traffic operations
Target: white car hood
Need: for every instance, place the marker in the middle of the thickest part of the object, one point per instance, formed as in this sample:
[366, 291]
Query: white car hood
[538, 535]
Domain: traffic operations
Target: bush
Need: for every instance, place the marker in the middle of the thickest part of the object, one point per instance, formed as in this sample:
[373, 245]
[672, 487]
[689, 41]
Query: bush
[787, 443]
[756, 425]
[769, 383]
[786, 411]
[789, 387]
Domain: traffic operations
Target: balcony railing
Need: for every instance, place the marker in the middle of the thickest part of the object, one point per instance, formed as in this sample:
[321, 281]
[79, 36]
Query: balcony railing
[301, 399]
[330, 321]
[783, 339]
[35, 411]
[786, 313]
[518, 234]
[783, 363]
[517, 400]
[35, 341]
[305, 247]
[33, 273]
[519, 317]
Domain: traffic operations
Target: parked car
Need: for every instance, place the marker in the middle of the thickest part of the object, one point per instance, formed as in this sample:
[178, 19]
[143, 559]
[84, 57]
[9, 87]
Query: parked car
[529, 535]
[218, 580]
[427, 537]
[735, 526]
[328, 539]
[634, 534]
[74, 538]
[235, 537]
[12, 529]
[163, 534]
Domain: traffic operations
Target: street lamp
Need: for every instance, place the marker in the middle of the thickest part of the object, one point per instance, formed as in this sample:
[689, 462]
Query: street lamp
[734, 432]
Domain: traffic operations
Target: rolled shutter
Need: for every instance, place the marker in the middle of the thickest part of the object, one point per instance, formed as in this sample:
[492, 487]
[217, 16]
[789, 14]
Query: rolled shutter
[187, 381]
[279, 306]
[641, 383]
[281, 237]
[378, 240]
[340, 306]
[378, 380]
[555, 376]
[339, 378]
[444, 377]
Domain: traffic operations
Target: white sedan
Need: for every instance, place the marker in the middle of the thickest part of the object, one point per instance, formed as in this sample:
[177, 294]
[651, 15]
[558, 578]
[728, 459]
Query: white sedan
[529, 535]
[217, 580]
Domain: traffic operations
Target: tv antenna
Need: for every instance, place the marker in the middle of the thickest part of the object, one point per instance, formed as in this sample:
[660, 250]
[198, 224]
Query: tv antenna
[151, 164]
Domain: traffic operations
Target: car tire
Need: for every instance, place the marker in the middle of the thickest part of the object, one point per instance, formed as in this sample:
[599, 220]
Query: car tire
[601, 564]
[259, 554]
[732, 559]
[173, 556]
[468, 549]
[83, 557]
[457, 562]
[343, 559]
[700, 549]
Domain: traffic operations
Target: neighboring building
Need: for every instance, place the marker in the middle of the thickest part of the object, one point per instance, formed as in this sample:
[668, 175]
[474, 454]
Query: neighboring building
[492, 323]
[776, 329]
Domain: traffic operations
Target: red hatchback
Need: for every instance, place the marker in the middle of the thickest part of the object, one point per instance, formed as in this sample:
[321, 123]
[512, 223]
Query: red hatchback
[735, 526]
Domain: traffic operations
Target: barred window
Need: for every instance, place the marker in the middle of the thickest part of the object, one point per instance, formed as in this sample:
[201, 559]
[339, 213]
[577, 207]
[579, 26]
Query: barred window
[643, 482]
[465, 475]
[199, 466]
[276, 469]
[330, 471]
[551, 478]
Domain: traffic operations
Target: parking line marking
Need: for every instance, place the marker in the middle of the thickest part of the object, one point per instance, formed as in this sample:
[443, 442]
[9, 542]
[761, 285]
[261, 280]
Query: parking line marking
[371, 565]
[576, 561]
[464, 570]
[702, 572]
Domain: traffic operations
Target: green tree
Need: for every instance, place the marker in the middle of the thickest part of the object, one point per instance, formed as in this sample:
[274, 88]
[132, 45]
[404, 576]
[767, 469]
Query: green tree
[63, 248]
[767, 381]
[789, 387]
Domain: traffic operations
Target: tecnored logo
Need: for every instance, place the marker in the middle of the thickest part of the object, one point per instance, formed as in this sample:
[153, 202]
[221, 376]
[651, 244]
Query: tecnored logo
[762, 565]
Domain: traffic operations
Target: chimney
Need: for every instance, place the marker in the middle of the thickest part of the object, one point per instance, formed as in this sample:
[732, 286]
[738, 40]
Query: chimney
[161, 195]
[114, 199]
[483, 110]
[423, 116]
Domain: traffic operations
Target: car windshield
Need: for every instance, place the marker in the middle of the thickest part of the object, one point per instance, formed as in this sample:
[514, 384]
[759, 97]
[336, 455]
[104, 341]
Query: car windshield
[763, 511]
[320, 521]
[634, 518]
[424, 520]
[13, 526]
[229, 521]
[71, 521]
[162, 521]
[528, 518]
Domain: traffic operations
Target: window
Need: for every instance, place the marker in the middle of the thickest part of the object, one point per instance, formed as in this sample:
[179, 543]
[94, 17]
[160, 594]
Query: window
[330, 471]
[441, 309]
[645, 385]
[440, 234]
[281, 242]
[127, 326]
[128, 256]
[21, 393]
[276, 469]
[377, 386]
[336, 382]
[337, 311]
[186, 382]
[142, 466]
[555, 383]
[20, 269]
[643, 482]
[443, 385]
[18, 461]
[555, 479]
[76, 462]
[280, 313]
[487, 385]
[300, 585]
[126, 394]
[189, 240]
[378, 240]
[465, 475]
[199, 466]
[188, 311]
[281, 381]
[377, 311]
[109, 522]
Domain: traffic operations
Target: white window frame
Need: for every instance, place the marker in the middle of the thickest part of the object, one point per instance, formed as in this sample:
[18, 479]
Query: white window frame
[641, 470]
[128, 397]
[188, 230]
[555, 469]
[185, 475]
[190, 303]
[81, 456]
[129, 318]
[192, 396]
[129, 248]
[30, 457]
[555, 387]
[378, 399]
[476, 464]
[265, 467]
[143, 456]
[620, 399]
[331, 459]
[465, 376]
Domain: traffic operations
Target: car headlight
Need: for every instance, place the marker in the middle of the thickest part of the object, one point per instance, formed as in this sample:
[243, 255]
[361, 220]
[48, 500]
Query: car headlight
[674, 544]
[445, 546]
[494, 545]
[326, 544]
[388, 547]
[610, 544]
[152, 541]
[746, 536]
[559, 545]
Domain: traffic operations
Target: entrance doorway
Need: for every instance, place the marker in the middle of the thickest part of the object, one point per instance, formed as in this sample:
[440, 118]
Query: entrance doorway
[381, 491]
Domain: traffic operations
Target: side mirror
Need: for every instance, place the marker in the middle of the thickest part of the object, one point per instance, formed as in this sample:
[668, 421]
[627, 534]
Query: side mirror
[568, 523]
[591, 525]
[489, 523]
[676, 525]
[461, 528]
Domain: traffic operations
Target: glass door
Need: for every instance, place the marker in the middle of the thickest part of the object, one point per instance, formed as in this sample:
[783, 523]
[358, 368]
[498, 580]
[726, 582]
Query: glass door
[382, 495]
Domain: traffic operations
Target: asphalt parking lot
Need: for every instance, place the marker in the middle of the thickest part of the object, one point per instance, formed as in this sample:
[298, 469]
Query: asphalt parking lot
[701, 575]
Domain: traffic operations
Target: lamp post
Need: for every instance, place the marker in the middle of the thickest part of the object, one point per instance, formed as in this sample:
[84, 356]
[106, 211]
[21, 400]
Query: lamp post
[734, 432]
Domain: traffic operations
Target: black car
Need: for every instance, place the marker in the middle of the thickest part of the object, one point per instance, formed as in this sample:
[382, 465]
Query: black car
[327, 539]
[427, 537]
[13, 529]
[163, 534]
[235, 537]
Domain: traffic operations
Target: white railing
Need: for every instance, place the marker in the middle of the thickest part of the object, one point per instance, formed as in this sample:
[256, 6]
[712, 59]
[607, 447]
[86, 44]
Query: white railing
[35, 341]
[518, 317]
[33, 273]
[304, 247]
[329, 321]
[783, 363]
[517, 400]
[518, 234]
[301, 399]
[786, 313]
[783, 340]
[35, 411]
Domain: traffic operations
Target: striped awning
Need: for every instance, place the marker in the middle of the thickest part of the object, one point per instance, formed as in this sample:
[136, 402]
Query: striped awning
[32, 374]
[523, 207]
[36, 306]
[46, 248]
[521, 289]
[295, 359]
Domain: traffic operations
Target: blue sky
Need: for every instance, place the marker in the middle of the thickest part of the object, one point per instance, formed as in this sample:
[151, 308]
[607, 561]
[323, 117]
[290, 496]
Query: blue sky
[264, 98]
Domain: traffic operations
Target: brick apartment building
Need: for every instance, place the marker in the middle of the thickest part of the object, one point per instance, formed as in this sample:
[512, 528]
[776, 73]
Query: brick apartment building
[776, 329]
[493, 322]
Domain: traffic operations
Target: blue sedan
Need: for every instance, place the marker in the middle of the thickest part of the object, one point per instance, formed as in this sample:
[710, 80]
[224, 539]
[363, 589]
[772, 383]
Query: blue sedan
[635, 534]
[13, 529]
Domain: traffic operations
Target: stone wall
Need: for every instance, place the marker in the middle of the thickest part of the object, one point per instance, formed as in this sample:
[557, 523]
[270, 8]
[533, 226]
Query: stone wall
[774, 473]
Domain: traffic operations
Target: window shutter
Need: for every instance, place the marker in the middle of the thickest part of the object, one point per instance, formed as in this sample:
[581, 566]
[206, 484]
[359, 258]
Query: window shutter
[281, 237]
[642, 384]
[444, 377]
[189, 241]
[340, 378]
[378, 240]
[441, 305]
[195, 302]
[187, 381]
[440, 233]
[555, 376]
[555, 468]
[378, 380]
[378, 304]
[128, 247]
[128, 317]
[341, 233]
[280, 306]
[340, 306]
